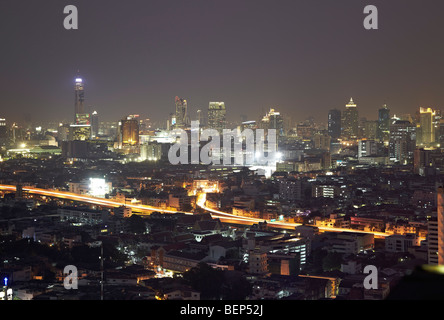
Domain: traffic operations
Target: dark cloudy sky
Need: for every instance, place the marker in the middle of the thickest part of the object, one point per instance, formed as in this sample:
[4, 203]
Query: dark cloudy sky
[302, 57]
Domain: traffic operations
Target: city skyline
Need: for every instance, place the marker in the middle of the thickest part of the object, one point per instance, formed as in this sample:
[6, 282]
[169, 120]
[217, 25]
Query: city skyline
[193, 114]
[314, 171]
[253, 56]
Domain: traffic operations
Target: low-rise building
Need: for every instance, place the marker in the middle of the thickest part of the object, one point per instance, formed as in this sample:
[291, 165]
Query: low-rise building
[401, 243]
[83, 215]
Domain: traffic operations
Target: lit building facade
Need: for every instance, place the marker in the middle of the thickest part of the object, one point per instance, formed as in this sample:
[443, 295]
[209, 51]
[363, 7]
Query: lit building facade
[130, 131]
[79, 99]
[425, 136]
[367, 148]
[350, 121]
[402, 141]
[273, 120]
[151, 151]
[384, 124]
[334, 123]
[371, 129]
[3, 131]
[321, 141]
[79, 132]
[181, 115]
[217, 116]
[94, 124]
[440, 225]
[129, 134]
[435, 236]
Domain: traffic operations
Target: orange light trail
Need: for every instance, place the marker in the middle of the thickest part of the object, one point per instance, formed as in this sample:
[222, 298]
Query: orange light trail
[223, 216]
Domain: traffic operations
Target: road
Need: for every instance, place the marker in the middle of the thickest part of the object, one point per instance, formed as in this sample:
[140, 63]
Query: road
[230, 218]
[112, 203]
[144, 209]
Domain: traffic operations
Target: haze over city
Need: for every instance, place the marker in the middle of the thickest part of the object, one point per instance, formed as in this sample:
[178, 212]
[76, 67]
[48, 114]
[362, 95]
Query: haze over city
[314, 171]
[253, 55]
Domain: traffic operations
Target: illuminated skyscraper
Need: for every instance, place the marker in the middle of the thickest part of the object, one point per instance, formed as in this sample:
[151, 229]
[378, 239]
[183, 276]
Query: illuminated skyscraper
[435, 236]
[322, 140]
[425, 134]
[367, 148]
[305, 130]
[145, 126]
[94, 124]
[440, 202]
[402, 141]
[79, 132]
[350, 121]
[217, 116]
[384, 123]
[129, 131]
[181, 116]
[334, 123]
[202, 118]
[81, 129]
[273, 120]
[3, 130]
[370, 129]
[79, 99]
[432, 241]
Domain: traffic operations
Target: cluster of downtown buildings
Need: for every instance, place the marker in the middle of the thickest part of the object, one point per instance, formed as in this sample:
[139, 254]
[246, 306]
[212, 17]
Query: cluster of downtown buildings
[351, 192]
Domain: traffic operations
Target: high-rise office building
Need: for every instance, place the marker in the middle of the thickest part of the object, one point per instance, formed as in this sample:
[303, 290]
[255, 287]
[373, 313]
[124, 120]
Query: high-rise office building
[402, 141]
[79, 99]
[202, 118]
[440, 212]
[321, 140]
[250, 124]
[129, 130]
[350, 121]
[425, 134]
[3, 130]
[437, 118]
[370, 129]
[435, 236]
[334, 123]
[63, 132]
[290, 189]
[217, 116]
[151, 151]
[432, 242]
[305, 130]
[384, 124]
[145, 126]
[79, 132]
[94, 124]
[422, 159]
[367, 148]
[181, 115]
[273, 120]
[440, 134]
[199, 117]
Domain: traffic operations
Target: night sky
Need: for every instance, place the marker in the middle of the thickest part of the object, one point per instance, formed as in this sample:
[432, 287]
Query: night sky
[302, 57]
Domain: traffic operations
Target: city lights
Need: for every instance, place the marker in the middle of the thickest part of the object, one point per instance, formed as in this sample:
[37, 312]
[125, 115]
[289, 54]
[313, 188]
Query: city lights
[232, 152]
[98, 187]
